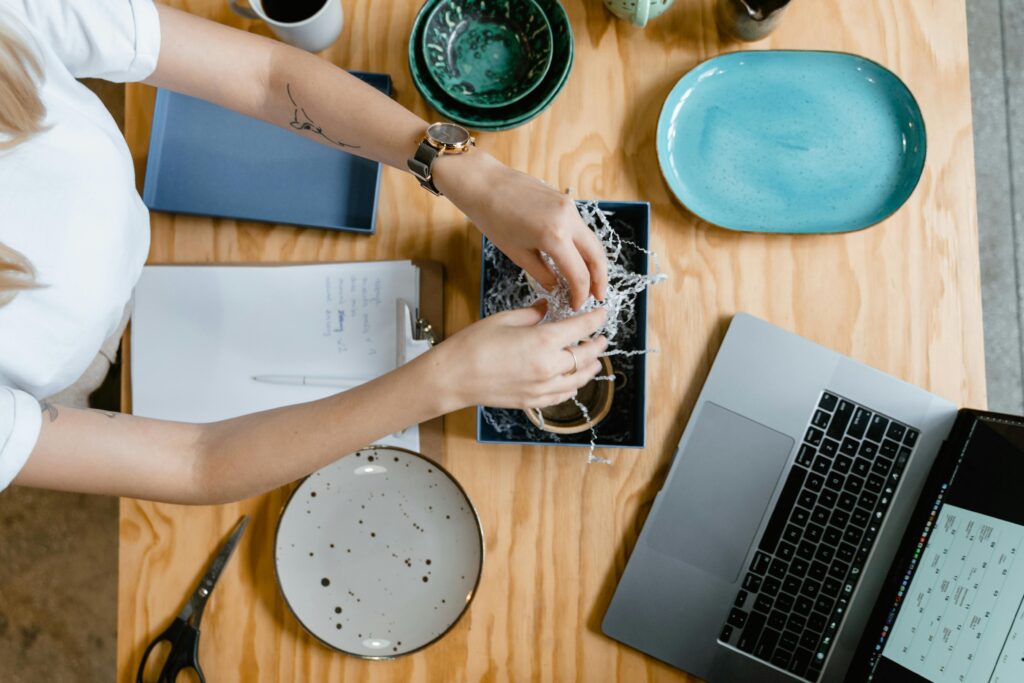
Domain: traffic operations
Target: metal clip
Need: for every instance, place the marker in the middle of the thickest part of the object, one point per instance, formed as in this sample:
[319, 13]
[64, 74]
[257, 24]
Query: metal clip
[425, 331]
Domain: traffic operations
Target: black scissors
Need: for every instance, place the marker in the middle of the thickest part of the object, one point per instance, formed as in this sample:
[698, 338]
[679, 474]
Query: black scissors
[183, 633]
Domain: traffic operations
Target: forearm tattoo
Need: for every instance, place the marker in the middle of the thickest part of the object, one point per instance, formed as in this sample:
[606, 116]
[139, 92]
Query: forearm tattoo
[50, 410]
[306, 123]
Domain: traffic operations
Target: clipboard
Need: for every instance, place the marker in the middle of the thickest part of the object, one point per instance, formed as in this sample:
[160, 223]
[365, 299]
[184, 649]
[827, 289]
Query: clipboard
[430, 311]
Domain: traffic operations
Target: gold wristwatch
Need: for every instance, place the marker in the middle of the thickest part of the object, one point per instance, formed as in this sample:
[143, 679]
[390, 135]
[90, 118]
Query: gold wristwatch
[441, 138]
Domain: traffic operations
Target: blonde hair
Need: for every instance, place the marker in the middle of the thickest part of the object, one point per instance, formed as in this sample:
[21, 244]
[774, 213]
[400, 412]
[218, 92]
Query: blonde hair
[21, 116]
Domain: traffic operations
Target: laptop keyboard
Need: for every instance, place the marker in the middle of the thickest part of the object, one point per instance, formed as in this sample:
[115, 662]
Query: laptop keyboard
[823, 526]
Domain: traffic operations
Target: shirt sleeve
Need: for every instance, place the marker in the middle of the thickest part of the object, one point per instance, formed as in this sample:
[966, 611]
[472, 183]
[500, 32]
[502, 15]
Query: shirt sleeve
[20, 421]
[116, 40]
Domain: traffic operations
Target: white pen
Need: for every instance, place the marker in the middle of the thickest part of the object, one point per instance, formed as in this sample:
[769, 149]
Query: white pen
[311, 381]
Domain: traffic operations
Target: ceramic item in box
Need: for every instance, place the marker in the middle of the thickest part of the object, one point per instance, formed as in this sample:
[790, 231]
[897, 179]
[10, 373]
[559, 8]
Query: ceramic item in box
[567, 417]
[487, 53]
[379, 553]
[791, 141]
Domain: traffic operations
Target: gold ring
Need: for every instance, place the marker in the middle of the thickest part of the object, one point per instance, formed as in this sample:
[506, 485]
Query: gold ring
[575, 363]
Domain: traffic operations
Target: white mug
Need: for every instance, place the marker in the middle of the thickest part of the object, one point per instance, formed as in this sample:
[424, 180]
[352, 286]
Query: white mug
[315, 33]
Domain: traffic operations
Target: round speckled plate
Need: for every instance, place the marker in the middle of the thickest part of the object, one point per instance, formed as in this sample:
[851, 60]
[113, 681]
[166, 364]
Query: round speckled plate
[379, 554]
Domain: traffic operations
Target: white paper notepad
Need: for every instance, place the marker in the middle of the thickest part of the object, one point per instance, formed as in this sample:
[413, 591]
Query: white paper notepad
[200, 333]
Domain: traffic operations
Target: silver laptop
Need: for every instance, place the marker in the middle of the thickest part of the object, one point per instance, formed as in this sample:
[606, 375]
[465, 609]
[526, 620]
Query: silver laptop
[766, 550]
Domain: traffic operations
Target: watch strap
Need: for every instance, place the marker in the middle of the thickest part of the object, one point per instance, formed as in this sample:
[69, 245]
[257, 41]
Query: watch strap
[421, 166]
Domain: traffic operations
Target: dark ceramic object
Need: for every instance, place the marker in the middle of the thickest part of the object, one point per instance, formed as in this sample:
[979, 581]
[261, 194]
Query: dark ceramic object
[487, 53]
[567, 418]
[509, 116]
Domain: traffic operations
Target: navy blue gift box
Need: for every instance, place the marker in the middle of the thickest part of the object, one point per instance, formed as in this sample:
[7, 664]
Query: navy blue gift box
[625, 425]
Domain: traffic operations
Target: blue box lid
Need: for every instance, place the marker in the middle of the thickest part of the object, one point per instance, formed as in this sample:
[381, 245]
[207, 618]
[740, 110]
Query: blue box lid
[210, 161]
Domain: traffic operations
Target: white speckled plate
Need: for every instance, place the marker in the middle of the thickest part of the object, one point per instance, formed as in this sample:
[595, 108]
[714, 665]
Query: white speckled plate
[379, 554]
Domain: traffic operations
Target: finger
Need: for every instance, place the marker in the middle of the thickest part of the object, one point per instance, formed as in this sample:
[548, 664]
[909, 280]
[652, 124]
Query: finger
[571, 330]
[584, 354]
[551, 400]
[569, 261]
[597, 262]
[563, 383]
[573, 381]
[523, 317]
[538, 269]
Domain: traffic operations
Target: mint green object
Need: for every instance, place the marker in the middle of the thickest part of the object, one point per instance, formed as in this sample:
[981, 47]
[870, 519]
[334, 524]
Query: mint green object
[487, 53]
[791, 142]
[638, 12]
[509, 116]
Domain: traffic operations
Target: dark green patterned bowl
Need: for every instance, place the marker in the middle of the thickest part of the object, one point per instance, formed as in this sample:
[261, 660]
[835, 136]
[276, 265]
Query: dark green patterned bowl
[487, 53]
[509, 116]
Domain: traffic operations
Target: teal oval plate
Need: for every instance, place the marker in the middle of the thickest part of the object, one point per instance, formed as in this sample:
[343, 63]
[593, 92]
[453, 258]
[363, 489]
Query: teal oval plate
[791, 142]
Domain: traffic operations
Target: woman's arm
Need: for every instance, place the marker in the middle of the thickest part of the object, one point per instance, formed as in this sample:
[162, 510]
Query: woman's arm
[111, 453]
[294, 89]
[506, 360]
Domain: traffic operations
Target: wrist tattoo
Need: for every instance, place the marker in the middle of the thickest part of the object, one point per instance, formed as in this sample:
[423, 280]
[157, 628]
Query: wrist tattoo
[306, 123]
[50, 410]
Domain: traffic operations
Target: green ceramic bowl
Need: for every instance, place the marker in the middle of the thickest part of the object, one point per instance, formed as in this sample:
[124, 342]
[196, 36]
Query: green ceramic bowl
[509, 116]
[487, 53]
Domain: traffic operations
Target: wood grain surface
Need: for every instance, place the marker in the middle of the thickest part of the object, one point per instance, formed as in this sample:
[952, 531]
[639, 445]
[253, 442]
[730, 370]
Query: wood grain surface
[903, 296]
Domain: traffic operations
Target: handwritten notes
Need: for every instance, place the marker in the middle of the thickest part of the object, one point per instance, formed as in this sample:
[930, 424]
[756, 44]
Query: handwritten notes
[962, 618]
[200, 333]
[355, 300]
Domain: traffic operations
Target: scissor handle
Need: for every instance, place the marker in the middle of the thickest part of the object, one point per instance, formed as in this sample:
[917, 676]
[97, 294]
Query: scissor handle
[184, 654]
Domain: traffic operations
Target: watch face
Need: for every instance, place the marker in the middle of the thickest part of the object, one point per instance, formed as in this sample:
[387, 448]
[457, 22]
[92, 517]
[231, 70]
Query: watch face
[448, 134]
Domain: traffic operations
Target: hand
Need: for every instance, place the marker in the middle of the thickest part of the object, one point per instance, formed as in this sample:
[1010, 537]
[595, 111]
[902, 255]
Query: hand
[508, 360]
[524, 217]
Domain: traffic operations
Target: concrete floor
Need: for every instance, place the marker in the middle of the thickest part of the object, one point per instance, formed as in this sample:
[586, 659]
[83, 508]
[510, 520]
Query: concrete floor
[997, 90]
[58, 587]
[58, 625]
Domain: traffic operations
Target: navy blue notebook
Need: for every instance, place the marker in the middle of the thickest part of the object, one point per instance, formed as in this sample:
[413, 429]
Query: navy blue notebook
[207, 160]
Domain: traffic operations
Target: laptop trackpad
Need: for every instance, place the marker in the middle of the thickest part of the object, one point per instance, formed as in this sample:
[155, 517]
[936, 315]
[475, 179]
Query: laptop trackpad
[712, 507]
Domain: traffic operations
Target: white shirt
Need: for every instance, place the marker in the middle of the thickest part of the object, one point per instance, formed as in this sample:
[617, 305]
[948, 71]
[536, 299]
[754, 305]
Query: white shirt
[68, 203]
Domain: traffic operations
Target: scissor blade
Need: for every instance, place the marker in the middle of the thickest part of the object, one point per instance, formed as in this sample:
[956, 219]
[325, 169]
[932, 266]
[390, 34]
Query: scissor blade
[217, 565]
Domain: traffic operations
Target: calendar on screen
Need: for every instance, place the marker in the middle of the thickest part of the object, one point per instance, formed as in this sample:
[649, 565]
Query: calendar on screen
[961, 618]
[952, 606]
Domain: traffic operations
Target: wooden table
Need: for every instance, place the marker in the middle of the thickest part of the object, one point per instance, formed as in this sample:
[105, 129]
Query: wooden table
[903, 296]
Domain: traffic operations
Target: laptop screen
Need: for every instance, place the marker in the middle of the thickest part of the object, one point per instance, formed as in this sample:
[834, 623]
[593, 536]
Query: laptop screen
[952, 609]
